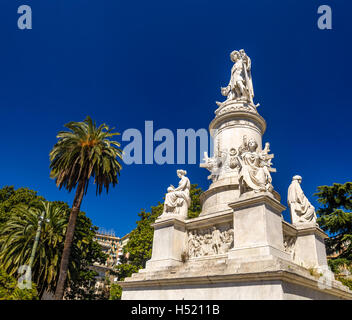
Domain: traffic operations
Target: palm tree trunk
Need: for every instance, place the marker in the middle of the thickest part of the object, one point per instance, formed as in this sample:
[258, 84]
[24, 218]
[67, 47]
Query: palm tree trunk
[60, 287]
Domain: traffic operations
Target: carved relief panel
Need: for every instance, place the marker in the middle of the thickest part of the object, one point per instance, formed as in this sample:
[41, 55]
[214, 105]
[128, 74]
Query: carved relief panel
[209, 241]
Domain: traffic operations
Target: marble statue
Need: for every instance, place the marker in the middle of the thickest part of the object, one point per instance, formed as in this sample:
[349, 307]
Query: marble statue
[254, 167]
[223, 161]
[301, 209]
[177, 200]
[212, 164]
[240, 86]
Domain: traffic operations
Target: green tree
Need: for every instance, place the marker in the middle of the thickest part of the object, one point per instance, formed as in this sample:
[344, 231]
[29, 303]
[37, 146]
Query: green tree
[17, 238]
[195, 208]
[83, 152]
[335, 216]
[139, 246]
[10, 198]
[115, 292]
[10, 291]
[19, 231]
[85, 252]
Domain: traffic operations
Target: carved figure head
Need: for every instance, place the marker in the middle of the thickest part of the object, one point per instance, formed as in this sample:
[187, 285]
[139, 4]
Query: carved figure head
[233, 152]
[181, 173]
[252, 145]
[298, 178]
[234, 55]
[242, 53]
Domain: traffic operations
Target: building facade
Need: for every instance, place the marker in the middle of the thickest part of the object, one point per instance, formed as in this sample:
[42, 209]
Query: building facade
[113, 247]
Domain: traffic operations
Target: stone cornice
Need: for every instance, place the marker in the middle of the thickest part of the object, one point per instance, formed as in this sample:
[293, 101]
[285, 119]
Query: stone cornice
[168, 221]
[258, 119]
[261, 198]
[310, 229]
[210, 219]
[276, 275]
[303, 229]
[217, 188]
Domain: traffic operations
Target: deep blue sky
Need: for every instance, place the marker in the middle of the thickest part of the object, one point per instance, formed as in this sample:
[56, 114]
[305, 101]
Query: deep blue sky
[124, 62]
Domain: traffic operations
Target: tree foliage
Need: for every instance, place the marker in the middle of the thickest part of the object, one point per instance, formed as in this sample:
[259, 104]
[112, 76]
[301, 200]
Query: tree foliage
[10, 198]
[195, 207]
[17, 238]
[20, 212]
[138, 249]
[10, 291]
[85, 252]
[83, 152]
[335, 216]
[115, 292]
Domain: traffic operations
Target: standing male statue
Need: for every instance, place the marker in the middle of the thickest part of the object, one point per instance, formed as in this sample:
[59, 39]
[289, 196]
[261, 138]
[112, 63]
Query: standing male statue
[301, 209]
[240, 86]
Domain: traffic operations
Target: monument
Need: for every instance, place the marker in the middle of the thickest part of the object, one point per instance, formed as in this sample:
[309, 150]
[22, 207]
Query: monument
[239, 247]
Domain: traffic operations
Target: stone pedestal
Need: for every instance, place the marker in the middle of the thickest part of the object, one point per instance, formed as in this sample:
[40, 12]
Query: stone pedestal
[257, 228]
[168, 242]
[310, 248]
[257, 266]
[215, 279]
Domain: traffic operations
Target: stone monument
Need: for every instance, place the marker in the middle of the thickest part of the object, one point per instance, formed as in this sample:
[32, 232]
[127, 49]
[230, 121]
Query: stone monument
[239, 247]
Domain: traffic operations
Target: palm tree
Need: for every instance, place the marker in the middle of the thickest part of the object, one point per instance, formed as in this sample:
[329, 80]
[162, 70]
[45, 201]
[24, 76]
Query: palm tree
[17, 238]
[83, 152]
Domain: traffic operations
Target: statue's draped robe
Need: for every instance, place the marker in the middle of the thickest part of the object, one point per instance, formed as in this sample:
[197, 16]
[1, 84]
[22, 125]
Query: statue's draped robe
[299, 204]
[253, 174]
[236, 74]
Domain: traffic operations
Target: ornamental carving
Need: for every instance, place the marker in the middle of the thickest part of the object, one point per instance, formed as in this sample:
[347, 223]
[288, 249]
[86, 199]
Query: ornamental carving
[210, 241]
[289, 245]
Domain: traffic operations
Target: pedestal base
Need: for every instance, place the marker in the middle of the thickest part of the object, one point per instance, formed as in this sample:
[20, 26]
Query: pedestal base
[168, 242]
[218, 279]
[257, 228]
[310, 247]
[256, 267]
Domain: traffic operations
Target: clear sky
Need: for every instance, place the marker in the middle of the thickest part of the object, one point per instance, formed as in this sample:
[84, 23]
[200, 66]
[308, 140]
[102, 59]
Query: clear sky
[125, 62]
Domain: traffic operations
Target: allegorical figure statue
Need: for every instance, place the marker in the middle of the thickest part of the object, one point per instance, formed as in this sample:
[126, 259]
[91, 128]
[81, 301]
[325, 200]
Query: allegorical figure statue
[254, 167]
[301, 209]
[240, 86]
[177, 200]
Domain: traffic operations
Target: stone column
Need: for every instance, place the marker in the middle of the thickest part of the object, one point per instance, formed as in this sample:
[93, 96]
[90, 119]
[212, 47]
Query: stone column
[169, 242]
[257, 224]
[233, 120]
[310, 247]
